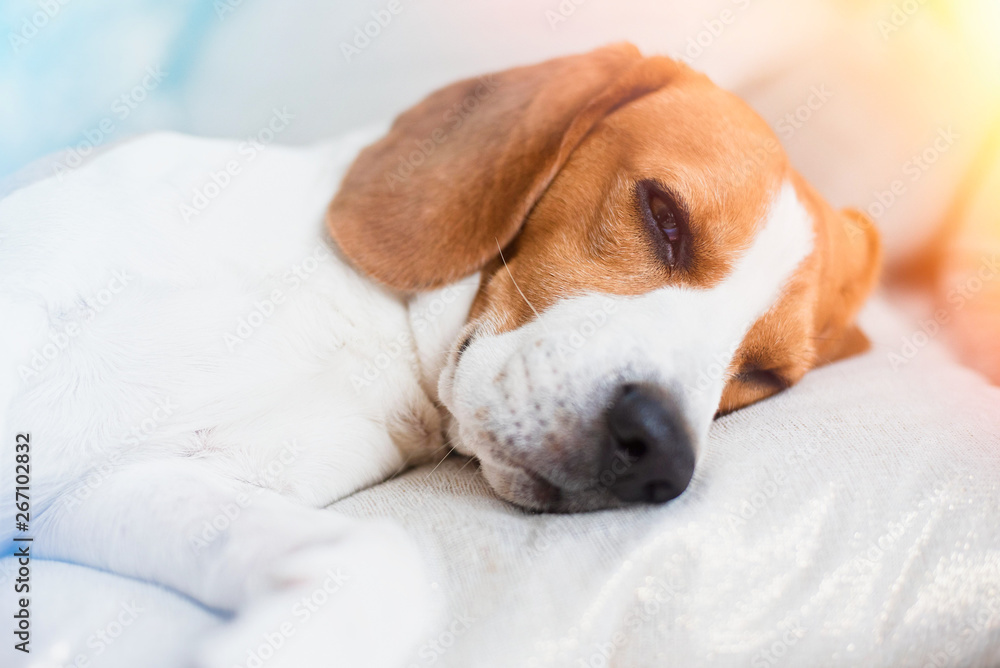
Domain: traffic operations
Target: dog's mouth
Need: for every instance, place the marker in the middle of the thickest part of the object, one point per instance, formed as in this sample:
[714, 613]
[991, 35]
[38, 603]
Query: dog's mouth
[522, 486]
[638, 449]
[558, 438]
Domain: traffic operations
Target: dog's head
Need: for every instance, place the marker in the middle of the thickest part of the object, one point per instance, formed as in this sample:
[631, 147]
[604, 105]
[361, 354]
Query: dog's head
[648, 260]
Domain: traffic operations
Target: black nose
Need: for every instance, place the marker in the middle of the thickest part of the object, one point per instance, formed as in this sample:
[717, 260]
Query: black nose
[651, 456]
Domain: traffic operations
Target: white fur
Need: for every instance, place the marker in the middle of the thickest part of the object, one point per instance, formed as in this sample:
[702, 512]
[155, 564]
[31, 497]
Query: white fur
[583, 348]
[166, 388]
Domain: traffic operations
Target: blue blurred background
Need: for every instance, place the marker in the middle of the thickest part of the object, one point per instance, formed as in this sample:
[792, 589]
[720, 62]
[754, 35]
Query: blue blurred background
[64, 66]
[79, 73]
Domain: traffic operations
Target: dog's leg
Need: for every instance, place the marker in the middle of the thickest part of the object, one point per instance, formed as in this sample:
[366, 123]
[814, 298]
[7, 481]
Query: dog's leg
[309, 587]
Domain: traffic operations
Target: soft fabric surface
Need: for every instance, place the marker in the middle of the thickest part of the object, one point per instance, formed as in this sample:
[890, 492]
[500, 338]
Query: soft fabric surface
[846, 522]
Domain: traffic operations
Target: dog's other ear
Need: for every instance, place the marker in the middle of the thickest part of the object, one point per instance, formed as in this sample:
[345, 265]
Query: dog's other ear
[851, 262]
[458, 173]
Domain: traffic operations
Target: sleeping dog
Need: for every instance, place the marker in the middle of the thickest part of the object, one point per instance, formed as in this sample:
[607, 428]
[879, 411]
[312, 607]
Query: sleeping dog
[564, 270]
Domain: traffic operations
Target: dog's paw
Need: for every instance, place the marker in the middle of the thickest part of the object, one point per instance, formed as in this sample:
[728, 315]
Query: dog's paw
[363, 601]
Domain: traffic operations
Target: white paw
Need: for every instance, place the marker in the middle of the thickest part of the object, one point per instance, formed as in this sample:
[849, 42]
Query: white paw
[363, 601]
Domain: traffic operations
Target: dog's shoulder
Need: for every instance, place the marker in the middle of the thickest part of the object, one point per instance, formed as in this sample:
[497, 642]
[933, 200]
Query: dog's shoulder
[178, 296]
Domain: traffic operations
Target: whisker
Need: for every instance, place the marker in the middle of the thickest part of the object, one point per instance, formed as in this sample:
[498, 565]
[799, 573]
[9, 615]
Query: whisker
[442, 461]
[471, 459]
[402, 466]
[409, 457]
[530, 305]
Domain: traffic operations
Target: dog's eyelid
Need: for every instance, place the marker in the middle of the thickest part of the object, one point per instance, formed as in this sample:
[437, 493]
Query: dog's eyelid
[761, 375]
[666, 216]
[650, 188]
[463, 346]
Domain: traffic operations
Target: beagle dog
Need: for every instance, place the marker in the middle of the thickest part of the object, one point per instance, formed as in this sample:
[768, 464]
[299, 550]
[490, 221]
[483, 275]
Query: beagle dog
[625, 192]
[565, 271]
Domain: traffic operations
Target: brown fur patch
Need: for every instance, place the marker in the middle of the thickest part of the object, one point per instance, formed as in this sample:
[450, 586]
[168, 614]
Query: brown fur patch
[547, 168]
[586, 233]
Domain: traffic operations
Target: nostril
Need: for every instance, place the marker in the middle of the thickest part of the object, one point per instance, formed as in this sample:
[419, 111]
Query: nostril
[633, 448]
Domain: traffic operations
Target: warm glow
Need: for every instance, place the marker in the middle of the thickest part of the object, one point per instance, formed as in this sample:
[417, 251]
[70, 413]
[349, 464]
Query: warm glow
[980, 20]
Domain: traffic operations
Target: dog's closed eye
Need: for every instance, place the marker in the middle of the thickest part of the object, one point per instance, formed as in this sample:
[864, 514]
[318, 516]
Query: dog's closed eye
[667, 218]
[462, 347]
[764, 378]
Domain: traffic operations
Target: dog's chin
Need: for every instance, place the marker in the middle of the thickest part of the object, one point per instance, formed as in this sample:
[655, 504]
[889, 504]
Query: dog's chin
[533, 492]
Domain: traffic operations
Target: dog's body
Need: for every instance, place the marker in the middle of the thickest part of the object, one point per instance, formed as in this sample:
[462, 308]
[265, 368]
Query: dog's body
[200, 368]
[171, 400]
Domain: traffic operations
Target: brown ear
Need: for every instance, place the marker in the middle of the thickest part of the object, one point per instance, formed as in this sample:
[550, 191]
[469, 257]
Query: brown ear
[458, 173]
[852, 258]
